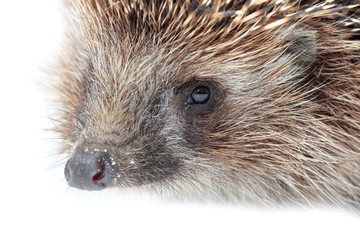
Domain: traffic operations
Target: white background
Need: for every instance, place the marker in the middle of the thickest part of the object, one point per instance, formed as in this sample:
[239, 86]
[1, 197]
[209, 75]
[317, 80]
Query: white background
[35, 202]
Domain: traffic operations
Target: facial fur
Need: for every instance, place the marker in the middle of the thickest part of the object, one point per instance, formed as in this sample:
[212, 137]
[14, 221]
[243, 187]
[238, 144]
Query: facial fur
[281, 125]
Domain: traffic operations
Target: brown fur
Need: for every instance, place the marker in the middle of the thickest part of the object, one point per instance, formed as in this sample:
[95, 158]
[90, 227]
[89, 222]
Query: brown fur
[285, 123]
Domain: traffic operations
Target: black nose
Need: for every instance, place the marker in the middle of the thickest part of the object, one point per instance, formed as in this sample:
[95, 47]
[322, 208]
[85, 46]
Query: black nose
[89, 169]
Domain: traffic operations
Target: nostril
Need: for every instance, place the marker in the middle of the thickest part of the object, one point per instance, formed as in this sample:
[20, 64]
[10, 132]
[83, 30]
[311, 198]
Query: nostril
[67, 172]
[100, 174]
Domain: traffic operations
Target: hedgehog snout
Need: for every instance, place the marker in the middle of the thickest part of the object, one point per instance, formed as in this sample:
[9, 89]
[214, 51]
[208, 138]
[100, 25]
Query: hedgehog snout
[89, 169]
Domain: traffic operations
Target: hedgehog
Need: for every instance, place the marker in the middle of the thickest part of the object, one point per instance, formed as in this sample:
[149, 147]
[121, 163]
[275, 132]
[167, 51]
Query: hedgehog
[235, 101]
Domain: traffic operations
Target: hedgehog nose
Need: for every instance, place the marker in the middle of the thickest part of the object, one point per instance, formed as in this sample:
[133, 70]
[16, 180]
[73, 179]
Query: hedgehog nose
[88, 169]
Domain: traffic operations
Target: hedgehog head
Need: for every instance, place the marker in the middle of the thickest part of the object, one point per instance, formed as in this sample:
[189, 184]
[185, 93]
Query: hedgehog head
[226, 99]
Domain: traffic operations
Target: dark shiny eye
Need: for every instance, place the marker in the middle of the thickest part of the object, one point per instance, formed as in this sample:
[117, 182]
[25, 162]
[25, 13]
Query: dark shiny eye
[199, 95]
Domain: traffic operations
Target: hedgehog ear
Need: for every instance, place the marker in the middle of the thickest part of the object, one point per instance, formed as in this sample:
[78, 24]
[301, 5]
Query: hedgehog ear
[302, 45]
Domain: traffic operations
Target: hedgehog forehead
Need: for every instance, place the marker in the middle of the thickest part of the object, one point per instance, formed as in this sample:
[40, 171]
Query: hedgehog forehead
[140, 69]
[126, 65]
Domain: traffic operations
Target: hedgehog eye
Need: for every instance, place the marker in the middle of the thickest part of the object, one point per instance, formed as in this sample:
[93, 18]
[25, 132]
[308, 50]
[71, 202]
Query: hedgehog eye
[200, 95]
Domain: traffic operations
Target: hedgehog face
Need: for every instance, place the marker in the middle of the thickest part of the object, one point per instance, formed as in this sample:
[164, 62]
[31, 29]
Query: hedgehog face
[149, 116]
